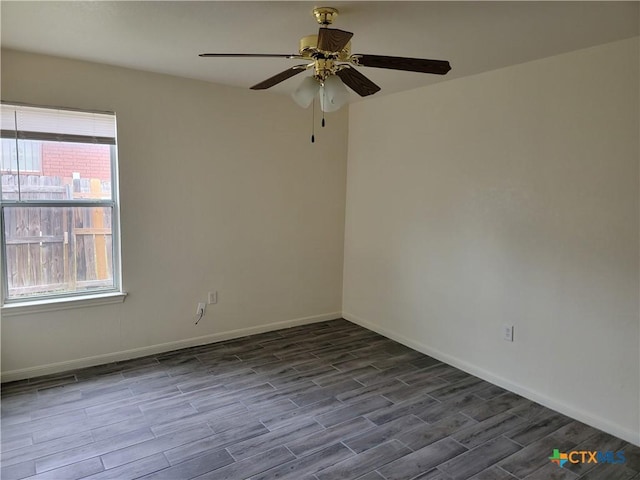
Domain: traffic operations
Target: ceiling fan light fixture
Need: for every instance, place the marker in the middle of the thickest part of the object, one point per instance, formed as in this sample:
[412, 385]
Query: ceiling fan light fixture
[333, 94]
[306, 92]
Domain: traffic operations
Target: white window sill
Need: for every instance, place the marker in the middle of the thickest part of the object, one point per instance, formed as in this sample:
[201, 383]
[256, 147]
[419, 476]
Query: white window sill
[53, 304]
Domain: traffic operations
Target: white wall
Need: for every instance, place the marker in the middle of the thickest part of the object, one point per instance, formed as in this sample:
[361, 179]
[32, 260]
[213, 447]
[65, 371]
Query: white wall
[509, 197]
[221, 189]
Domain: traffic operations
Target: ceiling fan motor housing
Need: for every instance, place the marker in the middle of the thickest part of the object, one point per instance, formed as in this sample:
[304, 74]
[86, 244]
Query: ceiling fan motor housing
[308, 45]
[309, 48]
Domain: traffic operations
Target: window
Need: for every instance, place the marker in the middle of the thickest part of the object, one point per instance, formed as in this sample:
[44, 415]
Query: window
[58, 202]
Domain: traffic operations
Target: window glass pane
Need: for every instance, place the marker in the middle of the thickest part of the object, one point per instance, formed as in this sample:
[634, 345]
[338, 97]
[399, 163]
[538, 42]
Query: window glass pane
[28, 151]
[55, 170]
[58, 250]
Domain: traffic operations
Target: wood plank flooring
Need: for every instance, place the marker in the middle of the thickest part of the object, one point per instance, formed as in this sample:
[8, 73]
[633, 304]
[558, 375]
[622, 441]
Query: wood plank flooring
[325, 401]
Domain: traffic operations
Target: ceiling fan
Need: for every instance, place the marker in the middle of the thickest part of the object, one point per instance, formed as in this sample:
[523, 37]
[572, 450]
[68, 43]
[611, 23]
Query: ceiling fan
[329, 55]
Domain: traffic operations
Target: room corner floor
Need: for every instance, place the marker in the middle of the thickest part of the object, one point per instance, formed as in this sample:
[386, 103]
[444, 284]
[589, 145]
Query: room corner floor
[325, 401]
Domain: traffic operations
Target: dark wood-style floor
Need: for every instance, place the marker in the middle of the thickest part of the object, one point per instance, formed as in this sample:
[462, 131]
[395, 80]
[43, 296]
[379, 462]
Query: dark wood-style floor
[325, 401]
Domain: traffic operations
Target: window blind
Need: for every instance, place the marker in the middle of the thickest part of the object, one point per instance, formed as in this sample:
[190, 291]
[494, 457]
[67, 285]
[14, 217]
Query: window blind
[33, 123]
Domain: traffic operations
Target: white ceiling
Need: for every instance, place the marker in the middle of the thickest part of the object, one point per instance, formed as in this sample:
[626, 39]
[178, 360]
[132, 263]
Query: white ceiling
[167, 36]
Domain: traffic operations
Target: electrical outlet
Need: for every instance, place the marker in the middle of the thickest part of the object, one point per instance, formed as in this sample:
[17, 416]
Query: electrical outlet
[201, 309]
[507, 333]
[213, 297]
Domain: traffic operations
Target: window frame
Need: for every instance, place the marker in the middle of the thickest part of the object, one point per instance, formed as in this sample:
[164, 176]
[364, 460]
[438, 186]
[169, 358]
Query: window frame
[58, 301]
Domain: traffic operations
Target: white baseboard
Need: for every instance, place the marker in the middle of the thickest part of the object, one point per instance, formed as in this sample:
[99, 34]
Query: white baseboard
[623, 432]
[51, 368]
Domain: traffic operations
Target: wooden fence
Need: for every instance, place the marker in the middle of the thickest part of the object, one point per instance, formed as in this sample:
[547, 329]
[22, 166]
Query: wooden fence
[56, 249]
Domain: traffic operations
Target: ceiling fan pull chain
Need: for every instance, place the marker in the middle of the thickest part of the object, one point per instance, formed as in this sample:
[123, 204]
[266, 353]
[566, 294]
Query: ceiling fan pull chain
[323, 93]
[313, 116]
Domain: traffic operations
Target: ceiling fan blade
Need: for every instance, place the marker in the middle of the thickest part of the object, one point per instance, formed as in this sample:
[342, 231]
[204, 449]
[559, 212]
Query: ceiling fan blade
[280, 77]
[248, 55]
[332, 39]
[357, 82]
[422, 65]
